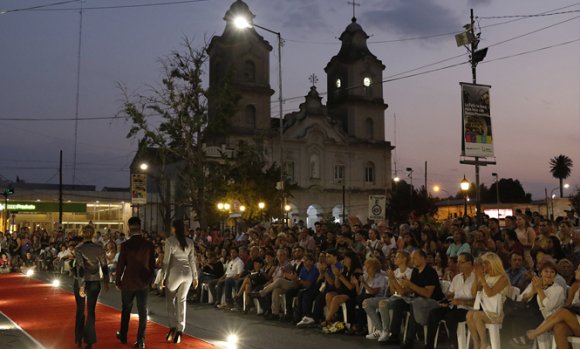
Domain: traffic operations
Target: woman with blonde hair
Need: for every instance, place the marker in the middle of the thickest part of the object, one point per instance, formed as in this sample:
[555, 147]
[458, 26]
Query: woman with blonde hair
[492, 282]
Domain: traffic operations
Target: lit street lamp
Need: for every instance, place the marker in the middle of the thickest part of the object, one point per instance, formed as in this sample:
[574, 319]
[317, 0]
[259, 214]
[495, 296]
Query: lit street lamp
[244, 23]
[287, 209]
[261, 207]
[464, 188]
[438, 189]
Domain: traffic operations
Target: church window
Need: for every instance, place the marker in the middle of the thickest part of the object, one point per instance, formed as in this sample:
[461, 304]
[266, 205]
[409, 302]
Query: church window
[250, 71]
[289, 170]
[314, 166]
[339, 173]
[251, 116]
[370, 173]
[369, 128]
[338, 83]
[367, 81]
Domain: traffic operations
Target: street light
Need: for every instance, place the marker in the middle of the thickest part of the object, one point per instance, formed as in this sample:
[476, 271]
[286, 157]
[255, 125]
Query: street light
[553, 196]
[437, 189]
[464, 188]
[143, 166]
[287, 209]
[243, 23]
[261, 207]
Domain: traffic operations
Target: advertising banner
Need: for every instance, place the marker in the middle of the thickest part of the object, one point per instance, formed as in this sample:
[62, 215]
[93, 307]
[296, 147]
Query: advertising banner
[477, 140]
[377, 207]
[138, 189]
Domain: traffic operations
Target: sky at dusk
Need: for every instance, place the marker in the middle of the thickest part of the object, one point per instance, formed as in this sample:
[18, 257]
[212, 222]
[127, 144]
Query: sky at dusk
[535, 97]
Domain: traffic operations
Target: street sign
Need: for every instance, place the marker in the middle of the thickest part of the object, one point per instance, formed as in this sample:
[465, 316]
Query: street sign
[377, 207]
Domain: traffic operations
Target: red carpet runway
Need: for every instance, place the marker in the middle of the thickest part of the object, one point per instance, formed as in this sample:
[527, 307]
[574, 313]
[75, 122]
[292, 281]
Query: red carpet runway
[47, 314]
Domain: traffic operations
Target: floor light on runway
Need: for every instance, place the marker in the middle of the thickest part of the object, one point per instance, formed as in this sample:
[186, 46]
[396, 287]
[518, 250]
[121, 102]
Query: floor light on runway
[30, 272]
[56, 283]
[232, 341]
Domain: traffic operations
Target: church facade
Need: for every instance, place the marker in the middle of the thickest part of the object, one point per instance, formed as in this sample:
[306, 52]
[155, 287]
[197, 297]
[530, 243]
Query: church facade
[334, 153]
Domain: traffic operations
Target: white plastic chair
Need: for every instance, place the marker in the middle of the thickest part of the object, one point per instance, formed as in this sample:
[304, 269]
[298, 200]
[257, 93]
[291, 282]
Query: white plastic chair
[575, 341]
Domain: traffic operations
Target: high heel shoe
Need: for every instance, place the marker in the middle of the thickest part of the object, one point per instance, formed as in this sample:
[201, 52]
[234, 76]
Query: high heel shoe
[177, 337]
[170, 335]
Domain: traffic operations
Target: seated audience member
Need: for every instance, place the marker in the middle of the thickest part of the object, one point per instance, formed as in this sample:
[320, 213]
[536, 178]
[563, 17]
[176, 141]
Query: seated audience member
[517, 274]
[565, 268]
[564, 322]
[543, 297]
[346, 287]
[460, 301]
[372, 283]
[211, 270]
[226, 283]
[425, 285]
[382, 324]
[307, 290]
[283, 279]
[493, 283]
[252, 283]
[5, 266]
[459, 244]
[332, 263]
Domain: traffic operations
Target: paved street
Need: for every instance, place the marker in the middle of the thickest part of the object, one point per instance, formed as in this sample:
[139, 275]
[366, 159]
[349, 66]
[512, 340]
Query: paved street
[205, 322]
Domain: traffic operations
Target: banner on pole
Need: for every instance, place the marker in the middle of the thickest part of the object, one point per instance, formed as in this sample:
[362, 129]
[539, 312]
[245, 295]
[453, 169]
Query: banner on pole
[138, 189]
[476, 138]
[377, 207]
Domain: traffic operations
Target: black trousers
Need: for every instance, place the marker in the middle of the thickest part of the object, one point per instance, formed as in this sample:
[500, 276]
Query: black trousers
[452, 317]
[306, 298]
[85, 326]
[127, 297]
[400, 307]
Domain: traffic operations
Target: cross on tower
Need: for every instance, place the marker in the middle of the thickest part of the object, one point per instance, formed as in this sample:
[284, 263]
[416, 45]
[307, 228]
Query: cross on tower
[313, 79]
[353, 3]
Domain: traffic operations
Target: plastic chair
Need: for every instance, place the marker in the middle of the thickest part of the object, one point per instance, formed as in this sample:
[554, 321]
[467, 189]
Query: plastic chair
[575, 342]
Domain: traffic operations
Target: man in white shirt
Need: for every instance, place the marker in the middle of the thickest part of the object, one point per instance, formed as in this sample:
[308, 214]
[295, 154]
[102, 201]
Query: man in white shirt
[233, 270]
[459, 301]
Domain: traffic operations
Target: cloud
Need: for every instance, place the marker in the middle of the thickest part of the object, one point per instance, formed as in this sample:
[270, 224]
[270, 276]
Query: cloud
[298, 15]
[416, 17]
[478, 2]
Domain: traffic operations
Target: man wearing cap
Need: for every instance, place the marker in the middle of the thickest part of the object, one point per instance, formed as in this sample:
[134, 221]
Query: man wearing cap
[134, 275]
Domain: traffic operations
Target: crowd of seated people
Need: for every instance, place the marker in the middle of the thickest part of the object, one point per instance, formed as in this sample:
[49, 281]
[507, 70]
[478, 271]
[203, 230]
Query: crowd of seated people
[390, 283]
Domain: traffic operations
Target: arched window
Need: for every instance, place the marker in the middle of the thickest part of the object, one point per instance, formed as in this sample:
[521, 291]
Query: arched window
[370, 172]
[314, 166]
[369, 128]
[251, 116]
[249, 71]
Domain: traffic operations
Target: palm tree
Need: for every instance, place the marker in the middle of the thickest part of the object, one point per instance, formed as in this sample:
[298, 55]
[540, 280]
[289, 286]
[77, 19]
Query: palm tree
[561, 167]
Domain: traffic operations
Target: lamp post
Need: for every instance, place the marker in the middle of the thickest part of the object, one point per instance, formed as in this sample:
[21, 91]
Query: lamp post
[496, 191]
[464, 188]
[244, 23]
[261, 207]
[287, 209]
[410, 175]
[553, 196]
[437, 189]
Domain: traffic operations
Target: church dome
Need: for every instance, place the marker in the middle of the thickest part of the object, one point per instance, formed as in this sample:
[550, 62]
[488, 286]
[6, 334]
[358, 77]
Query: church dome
[354, 43]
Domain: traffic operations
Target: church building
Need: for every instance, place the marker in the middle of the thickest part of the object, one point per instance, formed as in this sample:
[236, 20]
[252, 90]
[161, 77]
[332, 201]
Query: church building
[334, 152]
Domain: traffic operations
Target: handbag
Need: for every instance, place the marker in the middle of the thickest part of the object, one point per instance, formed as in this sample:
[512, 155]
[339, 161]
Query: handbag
[511, 307]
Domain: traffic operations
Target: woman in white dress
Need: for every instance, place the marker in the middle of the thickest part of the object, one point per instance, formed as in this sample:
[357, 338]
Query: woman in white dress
[493, 284]
[179, 272]
[564, 322]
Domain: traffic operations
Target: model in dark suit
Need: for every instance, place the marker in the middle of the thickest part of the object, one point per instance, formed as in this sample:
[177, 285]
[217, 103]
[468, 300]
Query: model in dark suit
[90, 259]
[135, 270]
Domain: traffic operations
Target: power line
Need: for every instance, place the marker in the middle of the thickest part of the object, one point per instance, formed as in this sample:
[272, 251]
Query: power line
[530, 16]
[37, 7]
[532, 51]
[171, 3]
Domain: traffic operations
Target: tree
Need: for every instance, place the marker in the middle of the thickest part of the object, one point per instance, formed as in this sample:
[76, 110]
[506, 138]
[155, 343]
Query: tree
[561, 168]
[184, 129]
[510, 191]
[406, 199]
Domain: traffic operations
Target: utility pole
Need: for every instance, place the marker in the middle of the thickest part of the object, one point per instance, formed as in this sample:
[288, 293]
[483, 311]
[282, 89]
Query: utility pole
[475, 56]
[60, 191]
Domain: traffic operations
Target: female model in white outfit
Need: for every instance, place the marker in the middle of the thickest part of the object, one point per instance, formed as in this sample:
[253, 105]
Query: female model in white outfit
[179, 272]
